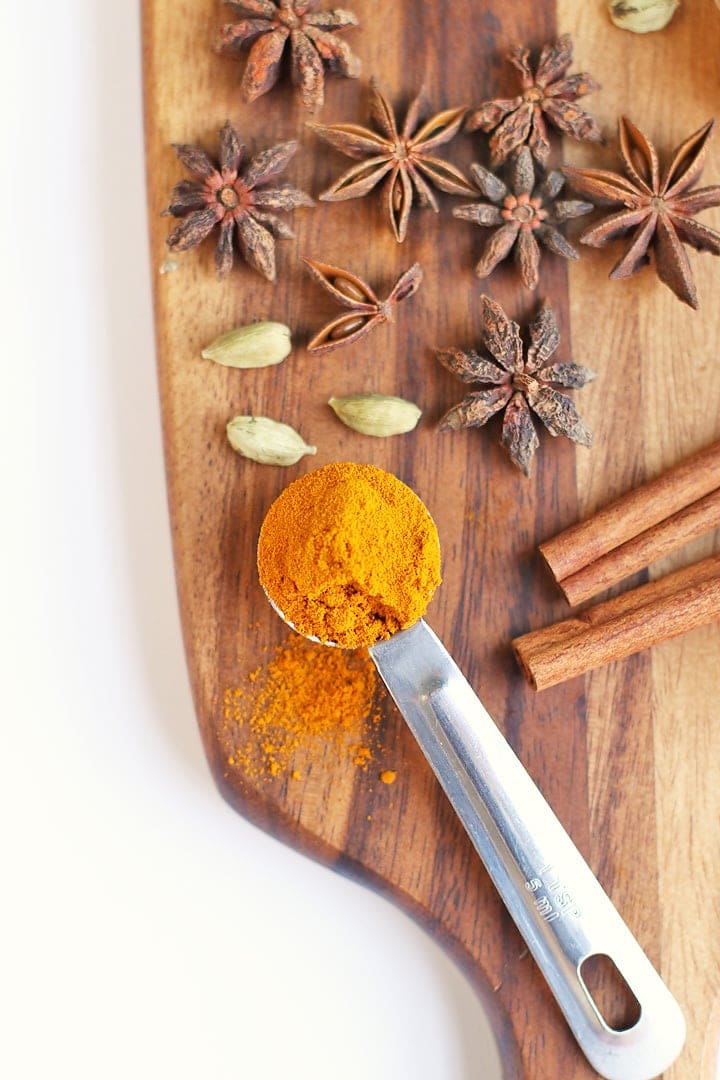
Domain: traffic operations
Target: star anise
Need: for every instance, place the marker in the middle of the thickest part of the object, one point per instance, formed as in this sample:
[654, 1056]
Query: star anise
[658, 210]
[548, 93]
[403, 157]
[265, 27]
[366, 311]
[518, 384]
[524, 214]
[241, 203]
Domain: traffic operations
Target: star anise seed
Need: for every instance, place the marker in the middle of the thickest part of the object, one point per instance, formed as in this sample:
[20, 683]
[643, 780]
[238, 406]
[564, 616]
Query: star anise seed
[548, 93]
[521, 382]
[266, 27]
[240, 203]
[521, 214]
[403, 158]
[365, 310]
[658, 209]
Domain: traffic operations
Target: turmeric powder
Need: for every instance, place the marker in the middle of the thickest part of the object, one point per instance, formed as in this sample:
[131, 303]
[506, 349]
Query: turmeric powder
[349, 554]
[301, 702]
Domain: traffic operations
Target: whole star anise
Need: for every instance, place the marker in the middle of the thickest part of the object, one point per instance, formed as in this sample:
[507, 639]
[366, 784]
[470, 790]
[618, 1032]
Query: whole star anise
[548, 93]
[403, 157]
[658, 210]
[265, 27]
[518, 383]
[365, 309]
[523, 214]
[240, 203]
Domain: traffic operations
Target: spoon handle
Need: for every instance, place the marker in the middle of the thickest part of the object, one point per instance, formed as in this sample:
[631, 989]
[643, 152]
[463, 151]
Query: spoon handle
[559, 907]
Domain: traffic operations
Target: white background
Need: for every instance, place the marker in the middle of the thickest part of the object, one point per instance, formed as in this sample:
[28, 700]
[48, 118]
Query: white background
[148, 931]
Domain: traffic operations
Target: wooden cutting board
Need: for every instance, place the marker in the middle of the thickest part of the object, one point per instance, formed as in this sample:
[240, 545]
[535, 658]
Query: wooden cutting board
[628, 757]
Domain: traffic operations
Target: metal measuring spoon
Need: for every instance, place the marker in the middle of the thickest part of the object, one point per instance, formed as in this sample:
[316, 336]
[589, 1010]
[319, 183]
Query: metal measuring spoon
[556, 902]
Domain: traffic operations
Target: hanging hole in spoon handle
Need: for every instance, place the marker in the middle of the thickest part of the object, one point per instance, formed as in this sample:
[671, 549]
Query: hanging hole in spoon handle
[557, 904]
[615, 1002]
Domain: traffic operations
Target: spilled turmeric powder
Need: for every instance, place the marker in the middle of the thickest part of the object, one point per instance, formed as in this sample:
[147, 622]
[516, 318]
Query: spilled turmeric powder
[303, 700]
[349, 554]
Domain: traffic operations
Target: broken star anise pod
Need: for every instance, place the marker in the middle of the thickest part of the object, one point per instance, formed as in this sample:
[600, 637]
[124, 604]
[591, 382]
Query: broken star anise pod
[240, 203]
[656, 209]
[402, 157]
[520, 382]
[365, 310]
[548, 93]
[522, 214]
[266, 27]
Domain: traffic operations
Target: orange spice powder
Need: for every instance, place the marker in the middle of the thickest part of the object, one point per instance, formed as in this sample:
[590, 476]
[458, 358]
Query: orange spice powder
[306, 698]
[349, 554]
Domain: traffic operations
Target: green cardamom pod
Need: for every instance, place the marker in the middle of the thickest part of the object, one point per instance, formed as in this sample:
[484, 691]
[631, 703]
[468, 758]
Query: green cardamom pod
[267, 441]
[261, 344]
[642, 16]
[376, 414]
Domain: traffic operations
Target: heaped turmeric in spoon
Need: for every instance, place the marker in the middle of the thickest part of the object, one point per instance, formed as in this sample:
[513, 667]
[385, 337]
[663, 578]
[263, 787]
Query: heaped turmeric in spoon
[349, 554]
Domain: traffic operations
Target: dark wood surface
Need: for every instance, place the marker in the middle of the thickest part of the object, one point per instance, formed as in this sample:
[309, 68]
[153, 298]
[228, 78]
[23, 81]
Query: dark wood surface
[628, 756]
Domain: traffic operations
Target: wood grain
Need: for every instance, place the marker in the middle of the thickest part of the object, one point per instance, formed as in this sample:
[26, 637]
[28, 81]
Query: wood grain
[628, 758]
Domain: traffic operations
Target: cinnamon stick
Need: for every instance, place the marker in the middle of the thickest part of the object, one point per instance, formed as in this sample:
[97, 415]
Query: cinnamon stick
[678, 529]
[633, 514]
[655, 612]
